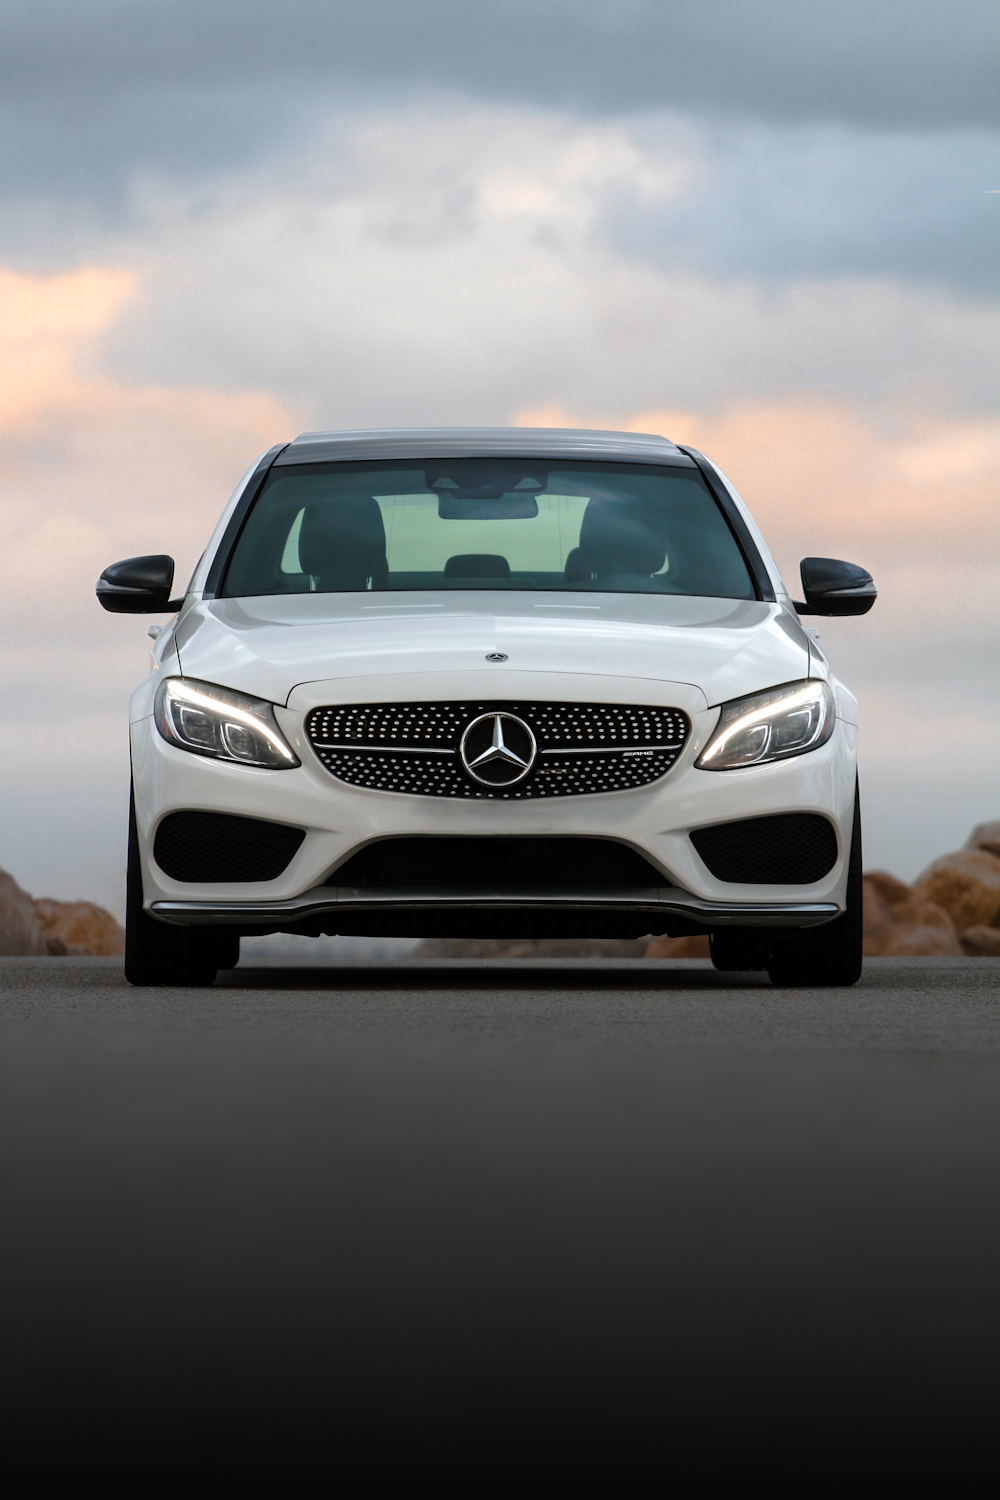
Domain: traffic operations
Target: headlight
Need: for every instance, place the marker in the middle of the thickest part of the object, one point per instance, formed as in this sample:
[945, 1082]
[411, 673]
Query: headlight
[770, 726]
[213, 721]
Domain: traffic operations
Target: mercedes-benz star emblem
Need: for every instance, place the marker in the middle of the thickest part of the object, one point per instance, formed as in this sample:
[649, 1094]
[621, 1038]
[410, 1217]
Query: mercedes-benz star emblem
[498, 749]
[496, 656]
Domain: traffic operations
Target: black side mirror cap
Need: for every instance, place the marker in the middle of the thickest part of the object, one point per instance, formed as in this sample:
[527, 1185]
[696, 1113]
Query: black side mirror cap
[138, 586]
[832, 587]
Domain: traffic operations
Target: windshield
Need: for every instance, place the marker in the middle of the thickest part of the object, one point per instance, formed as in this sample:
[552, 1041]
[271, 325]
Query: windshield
[487, 523]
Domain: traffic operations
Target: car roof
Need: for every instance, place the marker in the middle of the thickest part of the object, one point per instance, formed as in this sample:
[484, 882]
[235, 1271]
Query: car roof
[482, 442]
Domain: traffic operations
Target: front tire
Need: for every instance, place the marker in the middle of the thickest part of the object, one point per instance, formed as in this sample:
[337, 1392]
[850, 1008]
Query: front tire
[821, 957]
[157, 954]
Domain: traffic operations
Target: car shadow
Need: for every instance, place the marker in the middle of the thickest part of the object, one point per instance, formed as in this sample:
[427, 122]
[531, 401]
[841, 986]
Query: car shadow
[491, 974]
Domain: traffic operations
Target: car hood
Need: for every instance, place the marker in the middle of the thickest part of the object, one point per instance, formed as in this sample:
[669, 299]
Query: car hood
[268, 646]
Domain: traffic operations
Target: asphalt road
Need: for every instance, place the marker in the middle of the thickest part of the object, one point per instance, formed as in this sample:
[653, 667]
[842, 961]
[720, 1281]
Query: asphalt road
[489, 1187]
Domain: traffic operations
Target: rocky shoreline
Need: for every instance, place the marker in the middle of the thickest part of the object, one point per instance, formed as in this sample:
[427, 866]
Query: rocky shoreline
[55, 929]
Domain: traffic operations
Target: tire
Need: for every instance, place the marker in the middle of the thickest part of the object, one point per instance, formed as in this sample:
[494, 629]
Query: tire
[821, 957]
[157, 954]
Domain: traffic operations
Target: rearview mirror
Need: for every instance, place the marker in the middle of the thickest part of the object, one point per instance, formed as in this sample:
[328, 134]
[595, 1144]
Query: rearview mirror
[832, 587]
[138, 586]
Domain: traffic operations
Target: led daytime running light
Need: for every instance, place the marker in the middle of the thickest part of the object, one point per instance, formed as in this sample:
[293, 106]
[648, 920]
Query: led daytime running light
[770, 711]
[222, 710]
[213, 705]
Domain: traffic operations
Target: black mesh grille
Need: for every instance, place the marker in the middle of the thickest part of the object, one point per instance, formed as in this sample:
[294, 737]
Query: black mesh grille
[497, 864]
[208, 847]
[790, 849]
[414, 747]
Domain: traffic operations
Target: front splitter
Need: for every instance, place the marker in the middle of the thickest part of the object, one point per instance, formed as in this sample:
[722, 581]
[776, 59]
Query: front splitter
[662, 900]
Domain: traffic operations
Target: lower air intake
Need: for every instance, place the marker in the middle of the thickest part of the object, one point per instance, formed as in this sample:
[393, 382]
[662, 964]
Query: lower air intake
[498, 864]
[789, 849]
[207, 848]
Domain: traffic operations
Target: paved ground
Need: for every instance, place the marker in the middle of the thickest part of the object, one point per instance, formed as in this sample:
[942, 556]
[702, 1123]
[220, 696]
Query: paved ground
[474, 1183]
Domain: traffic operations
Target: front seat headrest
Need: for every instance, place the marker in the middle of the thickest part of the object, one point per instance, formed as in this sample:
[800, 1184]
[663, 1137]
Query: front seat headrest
[622, 536]
[342, 544]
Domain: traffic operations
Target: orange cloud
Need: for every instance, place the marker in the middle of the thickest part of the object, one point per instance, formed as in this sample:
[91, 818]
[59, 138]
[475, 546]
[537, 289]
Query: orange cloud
[904, 486]
[78, 302]
[94, 469]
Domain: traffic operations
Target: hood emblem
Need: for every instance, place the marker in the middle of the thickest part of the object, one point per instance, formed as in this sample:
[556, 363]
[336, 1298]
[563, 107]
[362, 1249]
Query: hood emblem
[496, 656]
[498, 749]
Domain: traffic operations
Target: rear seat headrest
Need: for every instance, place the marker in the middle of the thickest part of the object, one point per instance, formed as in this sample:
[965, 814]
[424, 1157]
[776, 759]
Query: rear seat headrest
[477, 565]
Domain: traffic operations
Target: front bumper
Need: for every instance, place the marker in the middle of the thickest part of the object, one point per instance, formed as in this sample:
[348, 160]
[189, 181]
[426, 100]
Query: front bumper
[656, 820]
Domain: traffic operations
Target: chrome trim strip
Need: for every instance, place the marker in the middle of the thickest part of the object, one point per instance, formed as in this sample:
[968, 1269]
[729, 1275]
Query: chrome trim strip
[376, 749]
[324, 899]
[570, 749]
[617, 749]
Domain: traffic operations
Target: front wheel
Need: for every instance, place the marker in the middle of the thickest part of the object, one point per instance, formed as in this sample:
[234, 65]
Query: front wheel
[818, 957]
[157, 954]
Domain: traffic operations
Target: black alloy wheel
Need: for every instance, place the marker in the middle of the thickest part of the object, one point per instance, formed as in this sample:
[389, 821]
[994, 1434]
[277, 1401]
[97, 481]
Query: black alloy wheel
[157, 954]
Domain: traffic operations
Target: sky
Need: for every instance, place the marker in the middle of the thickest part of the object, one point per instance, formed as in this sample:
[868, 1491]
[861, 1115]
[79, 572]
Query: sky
[770, 230]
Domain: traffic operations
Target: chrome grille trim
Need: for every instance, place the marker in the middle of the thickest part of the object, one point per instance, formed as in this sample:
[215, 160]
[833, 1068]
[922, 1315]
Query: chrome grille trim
[412, 748]
[379, 749]
[613, 749]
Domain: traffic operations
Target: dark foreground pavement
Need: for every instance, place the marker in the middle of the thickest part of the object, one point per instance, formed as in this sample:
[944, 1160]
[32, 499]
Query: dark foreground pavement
[495, 1188]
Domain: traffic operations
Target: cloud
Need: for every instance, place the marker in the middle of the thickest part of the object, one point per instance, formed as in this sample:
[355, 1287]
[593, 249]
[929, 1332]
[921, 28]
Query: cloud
[97, 100]
[91, 470]
[429, 266]
[822, 201]
[902, 62]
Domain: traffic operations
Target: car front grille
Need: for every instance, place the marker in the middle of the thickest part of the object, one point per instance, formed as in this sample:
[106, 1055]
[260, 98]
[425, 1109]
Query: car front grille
[210, 847]
[788, 849]
[415, 748]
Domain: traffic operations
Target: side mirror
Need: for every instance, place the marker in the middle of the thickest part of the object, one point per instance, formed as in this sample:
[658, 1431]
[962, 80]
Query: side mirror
[138, 586]
[832, 587]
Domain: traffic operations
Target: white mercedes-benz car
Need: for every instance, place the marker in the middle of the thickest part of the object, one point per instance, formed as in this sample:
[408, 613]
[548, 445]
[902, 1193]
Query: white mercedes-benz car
[491, 682]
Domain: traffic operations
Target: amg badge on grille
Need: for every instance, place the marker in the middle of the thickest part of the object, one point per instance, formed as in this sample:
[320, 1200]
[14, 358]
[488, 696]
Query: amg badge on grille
[497, 750]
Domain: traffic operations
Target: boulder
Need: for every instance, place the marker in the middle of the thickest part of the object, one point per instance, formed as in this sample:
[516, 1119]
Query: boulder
[981, 942]
[966, 884]
[79, 928]
[681, 947]
[899, 923]
[985, 836]
[20, 931]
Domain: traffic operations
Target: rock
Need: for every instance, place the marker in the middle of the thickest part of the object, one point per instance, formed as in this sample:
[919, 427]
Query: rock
[79, 929]
[58, 949]
[20, 931]
[985, 836]
[981, 942]
[966, 884]
[921, 940]
[899, 923]
[681, 947]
